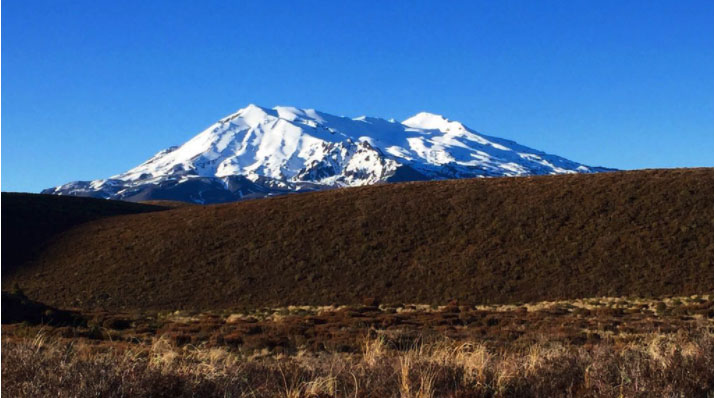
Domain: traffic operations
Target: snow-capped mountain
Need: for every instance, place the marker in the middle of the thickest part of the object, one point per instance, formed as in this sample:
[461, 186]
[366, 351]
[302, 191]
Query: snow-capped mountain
[258, 152]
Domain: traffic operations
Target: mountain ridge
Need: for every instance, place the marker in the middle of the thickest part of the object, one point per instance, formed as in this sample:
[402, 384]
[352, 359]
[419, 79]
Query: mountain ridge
[259, 152]
[490, 240]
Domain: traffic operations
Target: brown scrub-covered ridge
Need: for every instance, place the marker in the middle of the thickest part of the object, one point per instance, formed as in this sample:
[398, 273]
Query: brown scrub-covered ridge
[29, 221]
[498, 240]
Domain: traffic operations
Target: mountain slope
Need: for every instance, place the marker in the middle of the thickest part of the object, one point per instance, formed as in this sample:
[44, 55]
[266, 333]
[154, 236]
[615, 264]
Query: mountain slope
[476, 240]
[31, 220]
[259, 152]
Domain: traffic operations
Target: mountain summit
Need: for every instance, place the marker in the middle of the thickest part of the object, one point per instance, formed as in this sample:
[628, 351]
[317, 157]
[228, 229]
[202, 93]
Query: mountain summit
[257, 152]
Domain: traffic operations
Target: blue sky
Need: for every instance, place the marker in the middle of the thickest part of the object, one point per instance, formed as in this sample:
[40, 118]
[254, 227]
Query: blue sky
[93, 88]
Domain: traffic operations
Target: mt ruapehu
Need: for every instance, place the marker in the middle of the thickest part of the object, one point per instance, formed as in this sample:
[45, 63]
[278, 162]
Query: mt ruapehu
[258, 152]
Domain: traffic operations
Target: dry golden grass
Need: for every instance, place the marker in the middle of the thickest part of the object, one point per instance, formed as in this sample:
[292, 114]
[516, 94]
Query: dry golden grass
[679, 364]
[607, 346]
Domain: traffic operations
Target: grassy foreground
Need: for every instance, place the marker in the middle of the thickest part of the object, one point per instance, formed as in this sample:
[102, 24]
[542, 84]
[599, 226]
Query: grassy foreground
[679, 365]
[604, 347]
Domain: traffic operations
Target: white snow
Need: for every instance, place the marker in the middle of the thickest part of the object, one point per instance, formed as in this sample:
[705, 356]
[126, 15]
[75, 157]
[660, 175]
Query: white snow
[293, 146]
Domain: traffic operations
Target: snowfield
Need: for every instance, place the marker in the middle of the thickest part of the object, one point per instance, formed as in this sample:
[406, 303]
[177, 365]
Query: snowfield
[259, 152]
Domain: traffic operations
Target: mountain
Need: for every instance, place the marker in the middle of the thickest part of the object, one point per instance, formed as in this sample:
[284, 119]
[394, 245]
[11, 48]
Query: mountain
[258, 152]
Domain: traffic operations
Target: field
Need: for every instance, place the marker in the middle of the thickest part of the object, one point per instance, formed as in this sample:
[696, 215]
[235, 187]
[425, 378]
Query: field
[584, 348]
[575, 286]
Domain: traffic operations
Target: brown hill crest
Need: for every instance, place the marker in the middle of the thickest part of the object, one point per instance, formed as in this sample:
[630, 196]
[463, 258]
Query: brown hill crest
[495, 240]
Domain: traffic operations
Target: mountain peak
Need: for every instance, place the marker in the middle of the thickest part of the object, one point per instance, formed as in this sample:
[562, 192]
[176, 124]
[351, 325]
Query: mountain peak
[253, 108]
[427, 120]
[251, 113]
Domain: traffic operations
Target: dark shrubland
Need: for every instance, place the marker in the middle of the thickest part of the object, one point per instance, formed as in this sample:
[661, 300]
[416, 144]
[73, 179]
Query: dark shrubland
[502, 240]
[16, 307]
[29, 221]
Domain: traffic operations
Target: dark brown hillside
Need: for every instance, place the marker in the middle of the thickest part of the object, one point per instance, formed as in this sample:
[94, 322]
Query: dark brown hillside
[644, 233]
[30, 220]
[167, 203]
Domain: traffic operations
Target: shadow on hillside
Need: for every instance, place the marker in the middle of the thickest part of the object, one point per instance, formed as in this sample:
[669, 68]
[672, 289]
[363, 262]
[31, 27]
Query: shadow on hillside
[31, 220]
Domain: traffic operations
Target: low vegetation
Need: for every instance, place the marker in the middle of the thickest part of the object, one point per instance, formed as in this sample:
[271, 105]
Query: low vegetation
[641, 233]
[307, 296]
[656, 364]
[29, 221]
[609, 346]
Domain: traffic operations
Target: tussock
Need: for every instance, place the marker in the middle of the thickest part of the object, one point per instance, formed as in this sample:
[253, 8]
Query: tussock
[679, 364]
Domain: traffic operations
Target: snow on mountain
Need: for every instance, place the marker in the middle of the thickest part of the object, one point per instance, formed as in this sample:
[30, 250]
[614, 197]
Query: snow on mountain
[259, 152]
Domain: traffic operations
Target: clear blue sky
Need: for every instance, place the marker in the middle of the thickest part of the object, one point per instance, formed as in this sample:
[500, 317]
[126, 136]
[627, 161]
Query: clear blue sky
[93, 88]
